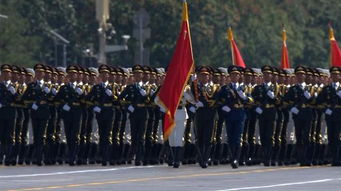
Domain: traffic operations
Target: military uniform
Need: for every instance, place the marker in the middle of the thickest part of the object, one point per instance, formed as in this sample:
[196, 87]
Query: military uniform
[36, 96]
[70, 96]
[102, 98]
[330, 98]
[205, 94]
[233, 98]
[265, 99]
[299, 100]
[249, 124]
[137, 96]
[8, 96]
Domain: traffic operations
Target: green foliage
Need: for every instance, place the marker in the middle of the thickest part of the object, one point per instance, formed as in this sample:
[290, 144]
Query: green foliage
[257, 25]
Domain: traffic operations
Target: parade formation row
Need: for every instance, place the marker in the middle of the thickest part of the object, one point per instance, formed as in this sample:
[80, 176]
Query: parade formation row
[109, 115]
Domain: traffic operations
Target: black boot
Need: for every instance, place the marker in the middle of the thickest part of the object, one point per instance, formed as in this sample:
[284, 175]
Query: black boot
[92, 153]
[177, 156]
[7, 153]
[235, 154]
[1, 154]
[206, 156]
[22, 154]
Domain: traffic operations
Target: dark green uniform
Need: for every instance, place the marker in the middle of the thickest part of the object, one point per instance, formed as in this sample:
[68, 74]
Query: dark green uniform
[7, 121]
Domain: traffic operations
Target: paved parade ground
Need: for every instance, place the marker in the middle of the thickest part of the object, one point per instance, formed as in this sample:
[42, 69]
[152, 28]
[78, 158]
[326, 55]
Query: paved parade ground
[191, 177]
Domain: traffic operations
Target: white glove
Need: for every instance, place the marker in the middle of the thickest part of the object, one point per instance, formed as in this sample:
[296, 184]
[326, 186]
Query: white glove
[187, 96]
[162, 110]
[241, 94]
[192, 109]
[46, 90]
[259, 110]
[307, 95]
[108, 92]
[34, 106]
[66, 107]
[193, 77]
[328, 111]
[97, 109]
[131, 108]
[338, 93]
[143, 92]
[0, 105]
[226, 108]
[12, 90]
[294, 110]
[199, 104]
[54, 91]
[152, 92]
[79, 91]
[270, 94]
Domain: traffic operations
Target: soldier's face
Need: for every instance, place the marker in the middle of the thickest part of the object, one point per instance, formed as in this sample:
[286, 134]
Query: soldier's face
[22, 78]
[80, 77]
[61, 79]
[203, 78]
[86, 78]
[40, 75]
[47, 77]
[248, 79]
[235, 77]
[267, 77]
[104, 76]
[216, 79]
[138, 76]
[274, 78]
[112, 77]
[300, 78]
[15, 77]
[5, 76]
[92, 79]
[28, 78]
[335, 77]
[72, 77]
[146, 77]
[309, 79]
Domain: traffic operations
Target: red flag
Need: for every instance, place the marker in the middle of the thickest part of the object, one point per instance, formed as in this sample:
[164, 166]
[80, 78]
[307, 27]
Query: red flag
[237, 58]
[285, 55]
[335, 51]
[177, 75]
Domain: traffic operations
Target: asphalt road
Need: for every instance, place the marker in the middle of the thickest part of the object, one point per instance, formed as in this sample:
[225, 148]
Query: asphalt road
[189, 177]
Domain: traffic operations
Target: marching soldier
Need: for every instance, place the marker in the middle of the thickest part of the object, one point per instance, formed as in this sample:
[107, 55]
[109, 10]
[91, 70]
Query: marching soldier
[330, 98]
[70, 96]
[217, 150]
[283, 89]
[50, 80]
[265, 99]
[250, 113]
[136, 95]
[36, 96]
[102, 98]
[299, 100]
[83, 83]
[18, 79]
[60, 142]
[233, 98]
[205, 94]
[24, 147]
[125, 145]
[8, 96]
[91, 146]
